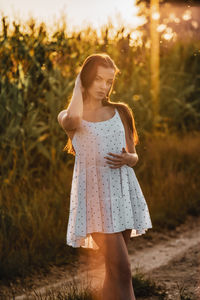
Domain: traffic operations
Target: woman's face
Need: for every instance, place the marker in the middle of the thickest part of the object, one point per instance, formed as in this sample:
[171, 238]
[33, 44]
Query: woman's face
[102, 83]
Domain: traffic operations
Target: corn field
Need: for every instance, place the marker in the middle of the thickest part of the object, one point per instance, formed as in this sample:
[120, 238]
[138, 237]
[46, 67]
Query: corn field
[37, 79]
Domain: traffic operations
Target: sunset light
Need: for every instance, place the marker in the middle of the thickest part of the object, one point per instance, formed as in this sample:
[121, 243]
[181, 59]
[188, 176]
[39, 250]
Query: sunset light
[94, 93]
[187, 15]
[79, 14]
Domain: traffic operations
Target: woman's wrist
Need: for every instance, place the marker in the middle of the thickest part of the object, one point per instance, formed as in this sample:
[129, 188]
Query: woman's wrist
[78, 84]
[133, 159]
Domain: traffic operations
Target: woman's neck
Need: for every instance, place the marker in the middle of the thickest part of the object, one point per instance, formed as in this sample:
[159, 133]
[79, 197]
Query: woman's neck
[90, 105]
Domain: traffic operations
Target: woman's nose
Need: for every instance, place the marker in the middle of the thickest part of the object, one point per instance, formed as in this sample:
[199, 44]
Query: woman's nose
[103, 84]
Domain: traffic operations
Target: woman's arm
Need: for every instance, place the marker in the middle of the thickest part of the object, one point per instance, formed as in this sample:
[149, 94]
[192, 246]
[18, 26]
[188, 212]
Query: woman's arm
[131, 151]
[70, 118]
[130, 146]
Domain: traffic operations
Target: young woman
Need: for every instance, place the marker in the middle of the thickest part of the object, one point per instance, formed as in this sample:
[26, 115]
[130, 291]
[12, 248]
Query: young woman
[107, 205]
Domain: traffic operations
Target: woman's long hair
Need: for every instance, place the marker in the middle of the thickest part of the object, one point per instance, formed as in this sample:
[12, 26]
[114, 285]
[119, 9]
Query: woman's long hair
[87, 75]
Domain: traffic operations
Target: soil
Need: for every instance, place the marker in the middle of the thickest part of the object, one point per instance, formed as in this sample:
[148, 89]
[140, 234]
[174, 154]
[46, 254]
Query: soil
[171, 258]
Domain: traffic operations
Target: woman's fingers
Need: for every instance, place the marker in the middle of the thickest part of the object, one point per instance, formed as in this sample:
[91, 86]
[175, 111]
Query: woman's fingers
[114, 159]
[111, 165]
[114, 162]
[117, 162]
[115, 155]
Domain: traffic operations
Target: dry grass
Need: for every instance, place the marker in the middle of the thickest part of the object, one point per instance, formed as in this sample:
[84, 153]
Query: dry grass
[169, 172]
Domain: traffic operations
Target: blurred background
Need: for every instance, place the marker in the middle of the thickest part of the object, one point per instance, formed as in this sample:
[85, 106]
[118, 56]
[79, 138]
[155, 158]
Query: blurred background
[156, 46]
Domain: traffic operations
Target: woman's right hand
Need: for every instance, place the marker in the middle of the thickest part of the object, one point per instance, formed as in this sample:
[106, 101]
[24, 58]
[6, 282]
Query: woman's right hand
[78, 83]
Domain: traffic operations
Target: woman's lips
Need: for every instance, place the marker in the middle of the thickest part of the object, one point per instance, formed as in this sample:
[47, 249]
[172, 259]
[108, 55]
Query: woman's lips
[101, 94]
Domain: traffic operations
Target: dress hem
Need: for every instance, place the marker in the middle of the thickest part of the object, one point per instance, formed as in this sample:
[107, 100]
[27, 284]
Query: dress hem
[94, 246]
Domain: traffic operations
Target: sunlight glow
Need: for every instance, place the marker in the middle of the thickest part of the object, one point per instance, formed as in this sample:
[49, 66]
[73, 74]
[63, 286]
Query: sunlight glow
[172, 17]
[195, 24]
[169, 34]
[177, 20]
[155, 15]
[161, 27]
[148, 44]
[187, 15]
[136, 38]
[78, 14]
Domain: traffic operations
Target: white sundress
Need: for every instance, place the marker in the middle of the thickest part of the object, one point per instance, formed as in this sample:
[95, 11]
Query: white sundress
[103, 199]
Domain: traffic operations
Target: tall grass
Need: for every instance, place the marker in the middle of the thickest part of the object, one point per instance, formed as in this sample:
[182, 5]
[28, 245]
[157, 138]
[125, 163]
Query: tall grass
[34, 219]
[33, 222]
[37, 78]
[169, 174]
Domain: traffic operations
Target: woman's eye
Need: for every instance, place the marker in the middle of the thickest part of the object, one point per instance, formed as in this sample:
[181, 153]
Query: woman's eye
[98, 79]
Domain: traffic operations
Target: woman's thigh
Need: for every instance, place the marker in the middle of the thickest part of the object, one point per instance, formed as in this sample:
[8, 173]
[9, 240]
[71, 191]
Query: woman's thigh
[100, 238]
[127, 234]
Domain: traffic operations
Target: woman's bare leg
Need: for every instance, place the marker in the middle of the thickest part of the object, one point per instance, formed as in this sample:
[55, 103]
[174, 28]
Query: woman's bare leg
[118, 278]
[126, 234]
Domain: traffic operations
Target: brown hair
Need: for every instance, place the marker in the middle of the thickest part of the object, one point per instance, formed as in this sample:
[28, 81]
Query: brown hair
[87, 75]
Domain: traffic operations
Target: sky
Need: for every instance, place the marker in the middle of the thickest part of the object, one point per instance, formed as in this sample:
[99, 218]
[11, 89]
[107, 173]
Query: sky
[79, 13]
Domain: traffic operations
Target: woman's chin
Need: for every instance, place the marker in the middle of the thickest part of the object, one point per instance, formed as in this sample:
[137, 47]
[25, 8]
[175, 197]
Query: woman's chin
[100, 97]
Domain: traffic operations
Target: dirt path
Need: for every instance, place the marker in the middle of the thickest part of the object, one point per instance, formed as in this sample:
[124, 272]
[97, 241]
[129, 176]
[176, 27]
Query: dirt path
[181, 275]
[171, 258]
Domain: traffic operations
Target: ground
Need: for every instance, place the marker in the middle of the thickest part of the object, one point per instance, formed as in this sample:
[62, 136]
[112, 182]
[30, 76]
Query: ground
[171, 258]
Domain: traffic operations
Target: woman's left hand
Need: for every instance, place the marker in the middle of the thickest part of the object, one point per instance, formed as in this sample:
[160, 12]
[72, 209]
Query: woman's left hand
[119, 160]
